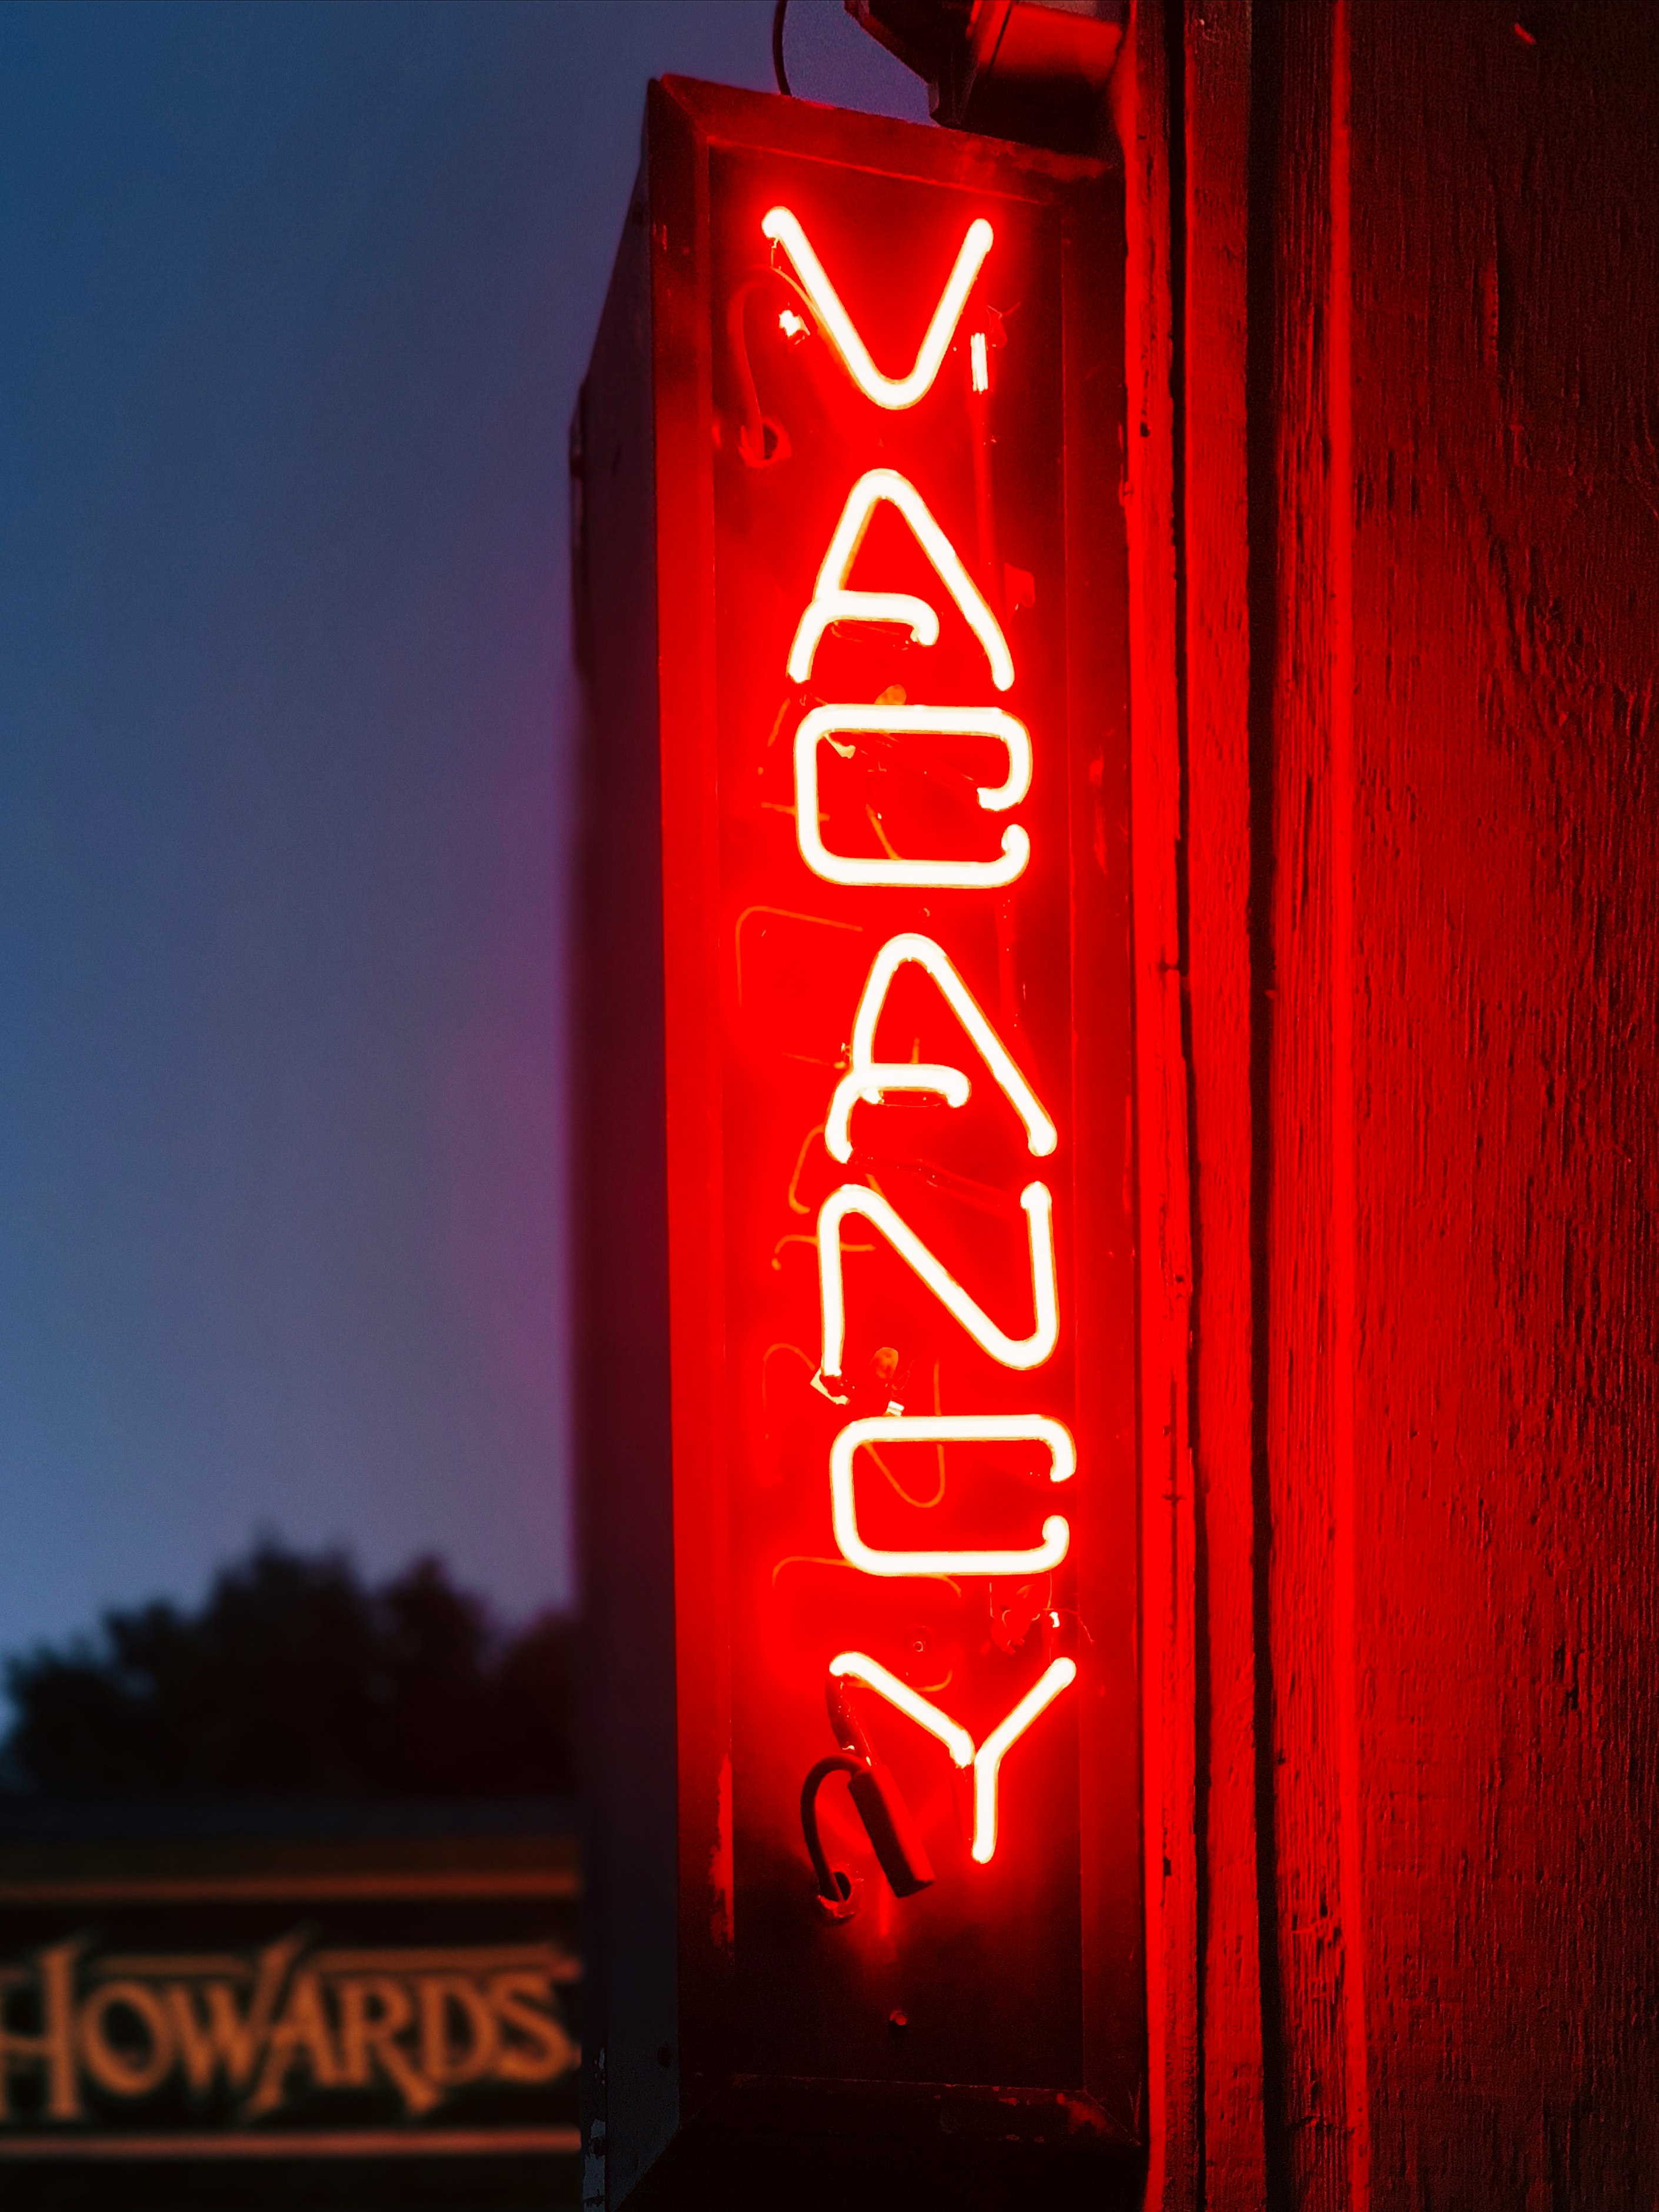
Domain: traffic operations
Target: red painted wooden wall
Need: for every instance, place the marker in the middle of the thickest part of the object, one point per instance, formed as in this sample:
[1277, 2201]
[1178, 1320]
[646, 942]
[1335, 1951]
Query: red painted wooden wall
[1395, 481]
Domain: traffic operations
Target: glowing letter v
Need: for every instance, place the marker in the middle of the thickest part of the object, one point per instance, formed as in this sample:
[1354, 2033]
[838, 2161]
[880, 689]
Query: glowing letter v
[892, 393]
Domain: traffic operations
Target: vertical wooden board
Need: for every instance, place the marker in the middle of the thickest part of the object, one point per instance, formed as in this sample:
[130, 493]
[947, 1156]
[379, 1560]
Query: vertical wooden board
[1141, 96]
[1506, 598]
[1216, 642]
[1315, 2117]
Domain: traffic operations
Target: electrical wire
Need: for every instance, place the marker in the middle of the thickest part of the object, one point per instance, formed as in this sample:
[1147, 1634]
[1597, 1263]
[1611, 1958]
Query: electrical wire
[834, 1885]
[752, 436]
[778, 68]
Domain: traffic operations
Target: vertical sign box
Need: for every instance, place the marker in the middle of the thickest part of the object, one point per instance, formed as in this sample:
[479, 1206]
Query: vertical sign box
[855, 1163]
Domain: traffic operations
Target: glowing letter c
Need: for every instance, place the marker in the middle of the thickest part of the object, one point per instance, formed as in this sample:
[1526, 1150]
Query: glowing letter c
[909, 722]
[949, 1428]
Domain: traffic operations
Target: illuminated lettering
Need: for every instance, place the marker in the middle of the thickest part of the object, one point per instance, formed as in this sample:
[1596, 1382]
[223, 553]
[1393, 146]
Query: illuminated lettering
[53, 2049]
[949, 1428]
[857, 1667]
[837, 605]
[301, 2036]
[543, 2050]
[125, 2065]
[927, 744]
[899, 721]
[833, 602]
[869, 1079]
[986, 1761]
[1021, 1352]
[894, 393]
[444, 1997]
[288, 2025]
[214, 2031]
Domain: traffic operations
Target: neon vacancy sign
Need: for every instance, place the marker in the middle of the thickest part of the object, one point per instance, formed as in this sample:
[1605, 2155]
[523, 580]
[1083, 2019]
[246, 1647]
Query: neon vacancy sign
[918, 1470]
[918, 620]
[891, 731]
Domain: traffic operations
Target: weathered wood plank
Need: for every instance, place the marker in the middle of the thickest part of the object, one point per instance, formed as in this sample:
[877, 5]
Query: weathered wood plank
[1142, 115]
[1317, 2121]
[1213, 306]
[1506, 398]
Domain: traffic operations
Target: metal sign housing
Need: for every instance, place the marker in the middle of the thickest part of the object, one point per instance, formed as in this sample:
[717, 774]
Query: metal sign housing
[856, 1151]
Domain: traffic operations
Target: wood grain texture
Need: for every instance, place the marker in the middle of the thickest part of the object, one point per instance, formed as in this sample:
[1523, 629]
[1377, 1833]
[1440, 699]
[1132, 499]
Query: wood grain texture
[1215, 631]
[1141, 102]
[1407, 259]
[1506, 890]
[1315, 2123]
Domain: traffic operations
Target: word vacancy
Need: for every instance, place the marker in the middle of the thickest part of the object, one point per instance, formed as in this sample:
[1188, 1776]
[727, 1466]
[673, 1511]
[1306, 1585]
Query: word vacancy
[904, 1016]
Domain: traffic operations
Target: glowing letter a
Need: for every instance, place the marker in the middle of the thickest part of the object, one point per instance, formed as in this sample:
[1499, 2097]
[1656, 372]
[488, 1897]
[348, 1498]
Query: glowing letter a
[832, 602]
[870, 1079]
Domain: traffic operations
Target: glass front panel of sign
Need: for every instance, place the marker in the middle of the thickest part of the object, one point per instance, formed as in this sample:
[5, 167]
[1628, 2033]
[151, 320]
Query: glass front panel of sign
[910, 1479]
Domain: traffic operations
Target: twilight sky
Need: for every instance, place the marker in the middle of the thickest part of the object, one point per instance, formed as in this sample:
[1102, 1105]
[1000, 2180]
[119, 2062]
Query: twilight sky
[297, 299]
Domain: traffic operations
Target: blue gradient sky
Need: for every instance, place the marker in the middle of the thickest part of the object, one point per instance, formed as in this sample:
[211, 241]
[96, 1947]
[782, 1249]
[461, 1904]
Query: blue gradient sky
[297, 300]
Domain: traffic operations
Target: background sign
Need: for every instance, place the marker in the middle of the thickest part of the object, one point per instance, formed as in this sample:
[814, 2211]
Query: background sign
[224, 2017]
[881, 369]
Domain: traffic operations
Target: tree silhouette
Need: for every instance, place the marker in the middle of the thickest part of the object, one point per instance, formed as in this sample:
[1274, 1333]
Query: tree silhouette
[296, 1680]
